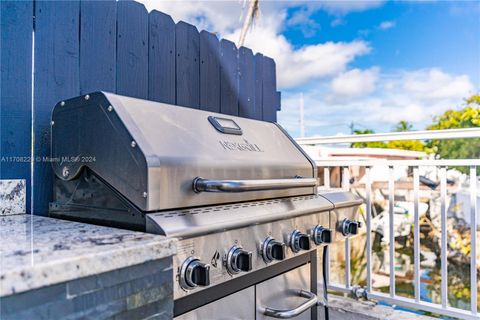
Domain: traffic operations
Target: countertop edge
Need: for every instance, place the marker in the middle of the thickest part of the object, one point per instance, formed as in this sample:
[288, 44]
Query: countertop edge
[30, 277]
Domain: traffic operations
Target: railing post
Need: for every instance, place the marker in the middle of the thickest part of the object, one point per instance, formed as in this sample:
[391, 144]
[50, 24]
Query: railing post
[444, 248]
[346, 187]
[391, 229]
[326, 177]
[416, 234]
[346, 178]
[473, 238]
[326, 184]
[368, 219]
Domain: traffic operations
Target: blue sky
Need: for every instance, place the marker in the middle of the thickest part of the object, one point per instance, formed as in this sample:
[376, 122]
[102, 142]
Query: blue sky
[414, 35]
[371, 63]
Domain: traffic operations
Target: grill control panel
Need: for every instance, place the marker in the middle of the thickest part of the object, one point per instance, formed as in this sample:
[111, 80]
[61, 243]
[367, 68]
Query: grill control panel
[215, 258]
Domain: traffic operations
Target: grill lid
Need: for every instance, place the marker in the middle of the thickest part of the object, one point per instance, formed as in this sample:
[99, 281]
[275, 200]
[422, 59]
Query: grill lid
[160, 156]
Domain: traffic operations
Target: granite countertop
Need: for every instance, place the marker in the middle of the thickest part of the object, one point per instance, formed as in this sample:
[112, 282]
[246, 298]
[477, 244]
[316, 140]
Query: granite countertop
[38, 251]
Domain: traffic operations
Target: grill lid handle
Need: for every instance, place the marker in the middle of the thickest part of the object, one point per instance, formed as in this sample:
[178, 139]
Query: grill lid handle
[205, 185]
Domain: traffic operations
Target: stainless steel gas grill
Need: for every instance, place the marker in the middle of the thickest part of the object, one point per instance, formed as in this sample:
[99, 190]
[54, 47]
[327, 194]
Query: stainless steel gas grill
[239, 194]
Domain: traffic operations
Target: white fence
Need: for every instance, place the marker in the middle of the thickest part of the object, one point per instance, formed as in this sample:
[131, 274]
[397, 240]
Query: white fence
[368, 292]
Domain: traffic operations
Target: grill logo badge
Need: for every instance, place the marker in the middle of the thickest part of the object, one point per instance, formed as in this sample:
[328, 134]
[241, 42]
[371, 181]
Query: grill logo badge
[215, 258]
[245, 146]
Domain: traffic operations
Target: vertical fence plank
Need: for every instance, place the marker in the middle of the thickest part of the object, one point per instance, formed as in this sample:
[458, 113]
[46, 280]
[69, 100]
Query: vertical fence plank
[98, 27]
[16, 91]
[209, 72]
[56, 78]
[132, 49]
[258, 73]
[187, 44]
[161, 58]
[246, 105]
[269, 90]
[228, 77]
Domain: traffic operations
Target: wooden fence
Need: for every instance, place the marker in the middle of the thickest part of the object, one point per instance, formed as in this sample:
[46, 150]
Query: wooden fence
[77, 47]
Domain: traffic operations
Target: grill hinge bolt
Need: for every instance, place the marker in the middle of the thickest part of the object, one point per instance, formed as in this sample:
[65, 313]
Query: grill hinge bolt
[110, 108]
[62, 103]
[87, 97]
[52, 122]
[145, 194]
[133, 144]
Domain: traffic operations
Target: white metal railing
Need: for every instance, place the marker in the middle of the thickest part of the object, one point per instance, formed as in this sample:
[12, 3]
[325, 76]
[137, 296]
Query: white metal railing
[394, 136]
[392, 298]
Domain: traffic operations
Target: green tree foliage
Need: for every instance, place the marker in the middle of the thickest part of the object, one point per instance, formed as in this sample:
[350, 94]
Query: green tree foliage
[468, 117]
[403, 126]
[412, 145]
[376, 144]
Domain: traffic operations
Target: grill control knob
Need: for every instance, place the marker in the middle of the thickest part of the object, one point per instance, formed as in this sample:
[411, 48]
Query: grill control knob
[273, 250]
[239, 260]
[299, 241]
[321, 235]
[194, 273]
[349, 227]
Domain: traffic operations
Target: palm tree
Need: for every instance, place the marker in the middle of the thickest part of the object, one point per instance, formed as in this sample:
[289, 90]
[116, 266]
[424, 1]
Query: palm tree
[403, 126]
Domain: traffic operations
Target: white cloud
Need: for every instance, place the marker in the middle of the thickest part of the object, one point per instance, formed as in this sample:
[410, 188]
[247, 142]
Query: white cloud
[341, 7]
[354, 83]
[436, 84]
[215, 16]
[385, 25]
[302, 19]
[296, 67]
[416, 96]
[337, 22]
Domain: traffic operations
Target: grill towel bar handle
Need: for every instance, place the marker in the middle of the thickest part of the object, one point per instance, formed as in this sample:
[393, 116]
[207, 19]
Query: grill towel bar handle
[205, 185]
[287, 314]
